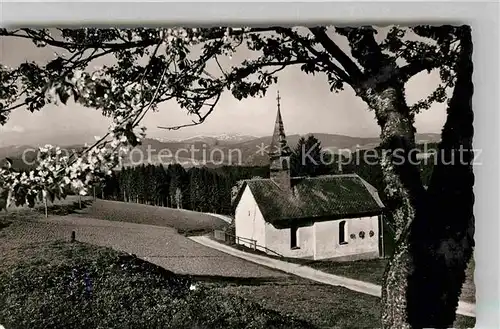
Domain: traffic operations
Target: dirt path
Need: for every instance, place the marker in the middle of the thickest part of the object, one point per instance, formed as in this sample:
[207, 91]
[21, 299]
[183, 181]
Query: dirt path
[306, 272]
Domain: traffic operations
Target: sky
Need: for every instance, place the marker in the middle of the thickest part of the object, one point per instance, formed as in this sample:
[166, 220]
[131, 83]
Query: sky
[307, 106]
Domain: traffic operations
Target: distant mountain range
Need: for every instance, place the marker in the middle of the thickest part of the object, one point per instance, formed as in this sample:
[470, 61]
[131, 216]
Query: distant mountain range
[212, 140]
[48, 136]
[224, 149]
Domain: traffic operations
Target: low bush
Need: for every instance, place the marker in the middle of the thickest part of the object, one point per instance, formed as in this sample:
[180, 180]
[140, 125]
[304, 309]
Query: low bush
[83, 286]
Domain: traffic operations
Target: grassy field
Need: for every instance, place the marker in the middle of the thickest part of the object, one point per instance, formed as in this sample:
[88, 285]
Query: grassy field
[288, 298]
[364, 270]
[160, 245]
[71, 204]
[69, 201]
[373, 270]
[76, 285]
[323, 305]
[185, 221]
[125, 298]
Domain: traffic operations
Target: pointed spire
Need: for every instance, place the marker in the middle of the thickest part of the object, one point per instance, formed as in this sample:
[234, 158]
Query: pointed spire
[278, 99]
[280, 153]
[279, 145]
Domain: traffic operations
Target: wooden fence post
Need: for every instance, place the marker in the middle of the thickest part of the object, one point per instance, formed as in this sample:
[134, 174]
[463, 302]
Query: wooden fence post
[382, 244]
[45, 205]
[254, 244]
[73, 236]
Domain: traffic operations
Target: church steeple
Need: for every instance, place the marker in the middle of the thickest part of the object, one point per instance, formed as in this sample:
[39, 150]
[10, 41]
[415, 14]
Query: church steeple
[279, 144]
[279, 154]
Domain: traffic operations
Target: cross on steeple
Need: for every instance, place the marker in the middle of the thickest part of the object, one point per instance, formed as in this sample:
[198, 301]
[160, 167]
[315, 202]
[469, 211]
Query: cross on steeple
[279, 145]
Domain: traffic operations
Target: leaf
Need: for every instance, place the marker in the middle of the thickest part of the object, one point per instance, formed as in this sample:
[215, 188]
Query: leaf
[131, 138]
[76, 95]
[55, 65]
[63, 95]
[9, 162]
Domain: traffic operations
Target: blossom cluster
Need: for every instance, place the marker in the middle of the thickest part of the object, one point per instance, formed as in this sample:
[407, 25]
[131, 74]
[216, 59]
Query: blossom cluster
[124, 102]
[56, 173]
[192, 36]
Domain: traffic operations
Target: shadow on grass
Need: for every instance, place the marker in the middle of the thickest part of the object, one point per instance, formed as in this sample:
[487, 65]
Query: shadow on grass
[65, 209]
[197, 232]
[4, 224]
[37, 212]
[240, 281]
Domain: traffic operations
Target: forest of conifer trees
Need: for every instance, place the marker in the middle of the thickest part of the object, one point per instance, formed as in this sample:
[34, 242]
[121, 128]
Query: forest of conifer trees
[198, 188]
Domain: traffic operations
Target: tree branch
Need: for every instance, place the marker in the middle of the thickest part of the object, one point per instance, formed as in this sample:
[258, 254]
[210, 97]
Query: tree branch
[237, 74]
[333, 49]
[220, 67]
[324, 58]
[201, 118]
[411, 69]
[142, 113]
[71, 45]
[7, 110]
[112, 46]
[366, 50]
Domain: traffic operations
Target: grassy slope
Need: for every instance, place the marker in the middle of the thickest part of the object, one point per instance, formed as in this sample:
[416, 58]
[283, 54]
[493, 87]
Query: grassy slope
[75, 285]
[322, 305]
[184, 221]
[373, 270]
[364, 270]
[325, 309]
[59, 208]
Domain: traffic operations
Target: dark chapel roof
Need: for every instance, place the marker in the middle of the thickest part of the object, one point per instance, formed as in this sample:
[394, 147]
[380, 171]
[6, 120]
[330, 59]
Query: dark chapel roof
[314, 198]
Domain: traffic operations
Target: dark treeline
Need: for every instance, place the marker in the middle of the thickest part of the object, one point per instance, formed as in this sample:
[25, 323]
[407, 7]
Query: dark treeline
[198, 188]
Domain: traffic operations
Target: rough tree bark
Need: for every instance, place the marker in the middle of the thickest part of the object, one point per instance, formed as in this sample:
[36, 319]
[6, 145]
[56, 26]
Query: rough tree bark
[442, 243]
[403, 187]
[434, 228]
